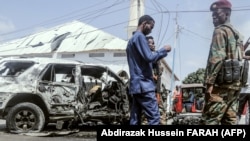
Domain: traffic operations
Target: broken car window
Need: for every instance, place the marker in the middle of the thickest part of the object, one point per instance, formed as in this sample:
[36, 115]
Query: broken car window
[14, 68]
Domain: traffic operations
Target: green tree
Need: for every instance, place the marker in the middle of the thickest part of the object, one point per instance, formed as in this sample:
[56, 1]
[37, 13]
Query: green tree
[195, 77]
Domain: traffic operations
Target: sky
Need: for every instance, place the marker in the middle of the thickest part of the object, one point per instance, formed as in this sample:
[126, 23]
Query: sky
[186, 25]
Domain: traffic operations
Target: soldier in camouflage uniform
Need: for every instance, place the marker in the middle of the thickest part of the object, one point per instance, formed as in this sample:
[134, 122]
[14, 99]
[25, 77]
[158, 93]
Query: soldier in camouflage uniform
[221, 99]
[157, 74]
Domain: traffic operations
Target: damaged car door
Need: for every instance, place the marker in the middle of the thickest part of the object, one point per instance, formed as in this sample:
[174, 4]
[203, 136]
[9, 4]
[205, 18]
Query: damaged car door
[59, 86]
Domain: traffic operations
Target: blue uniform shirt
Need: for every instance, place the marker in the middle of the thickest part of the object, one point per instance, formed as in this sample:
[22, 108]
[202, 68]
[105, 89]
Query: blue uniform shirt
[140, 59]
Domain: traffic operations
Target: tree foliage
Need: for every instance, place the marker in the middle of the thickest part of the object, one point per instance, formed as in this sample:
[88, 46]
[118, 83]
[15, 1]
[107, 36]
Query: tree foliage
[195, 77]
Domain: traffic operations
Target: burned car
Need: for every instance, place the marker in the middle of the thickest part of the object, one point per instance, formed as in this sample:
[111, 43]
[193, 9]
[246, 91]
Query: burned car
[37, 91]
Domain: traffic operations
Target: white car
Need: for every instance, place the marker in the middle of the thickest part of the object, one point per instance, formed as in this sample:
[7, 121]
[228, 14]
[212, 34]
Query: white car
[38, 91]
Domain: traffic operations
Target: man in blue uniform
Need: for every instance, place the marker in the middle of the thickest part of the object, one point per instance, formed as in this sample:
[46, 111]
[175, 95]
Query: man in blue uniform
[142, 86]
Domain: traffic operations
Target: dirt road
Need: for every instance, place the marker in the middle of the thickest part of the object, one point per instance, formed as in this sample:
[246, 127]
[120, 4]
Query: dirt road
[47, 136]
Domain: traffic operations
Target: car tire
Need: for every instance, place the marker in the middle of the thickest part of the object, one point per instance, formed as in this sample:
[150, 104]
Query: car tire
[25, 117]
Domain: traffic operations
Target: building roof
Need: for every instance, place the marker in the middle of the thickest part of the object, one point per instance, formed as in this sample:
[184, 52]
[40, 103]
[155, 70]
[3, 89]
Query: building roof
[66, 38]
[70, 37]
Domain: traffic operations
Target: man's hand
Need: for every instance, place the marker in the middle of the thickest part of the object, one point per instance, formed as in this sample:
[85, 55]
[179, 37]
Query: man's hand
[155, 77]
[168, 48]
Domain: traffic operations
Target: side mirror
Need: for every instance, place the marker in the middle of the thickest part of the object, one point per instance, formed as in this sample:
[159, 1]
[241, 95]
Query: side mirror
[247, 53]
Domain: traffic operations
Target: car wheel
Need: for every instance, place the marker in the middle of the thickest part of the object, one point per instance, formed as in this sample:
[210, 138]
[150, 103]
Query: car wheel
[25, 117]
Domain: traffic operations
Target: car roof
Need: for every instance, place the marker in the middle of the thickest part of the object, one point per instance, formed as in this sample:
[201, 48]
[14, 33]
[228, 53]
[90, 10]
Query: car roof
[45, 60]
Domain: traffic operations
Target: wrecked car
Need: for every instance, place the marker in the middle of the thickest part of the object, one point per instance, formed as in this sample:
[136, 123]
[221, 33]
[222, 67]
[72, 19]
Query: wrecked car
[37, 91]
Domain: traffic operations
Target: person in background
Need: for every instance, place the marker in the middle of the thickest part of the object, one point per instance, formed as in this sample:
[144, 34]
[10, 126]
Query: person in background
[140, 60]
[221, 98]
[200, 101]
[244, 97]
[189, 100]
[191, 96]
[157, 71]
[175, 97]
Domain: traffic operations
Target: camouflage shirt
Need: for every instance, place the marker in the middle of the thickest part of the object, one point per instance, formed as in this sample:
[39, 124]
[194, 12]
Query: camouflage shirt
[223, 46]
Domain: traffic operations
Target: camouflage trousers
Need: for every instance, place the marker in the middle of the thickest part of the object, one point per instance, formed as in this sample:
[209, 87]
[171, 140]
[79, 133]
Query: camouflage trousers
[163, 114]
[220, 107]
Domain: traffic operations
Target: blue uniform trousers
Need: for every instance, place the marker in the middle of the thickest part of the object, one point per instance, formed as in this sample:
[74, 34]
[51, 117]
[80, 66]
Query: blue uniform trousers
[147, 103]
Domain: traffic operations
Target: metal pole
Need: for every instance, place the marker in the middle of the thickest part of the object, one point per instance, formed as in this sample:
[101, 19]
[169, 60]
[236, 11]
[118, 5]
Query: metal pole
[173, 66]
